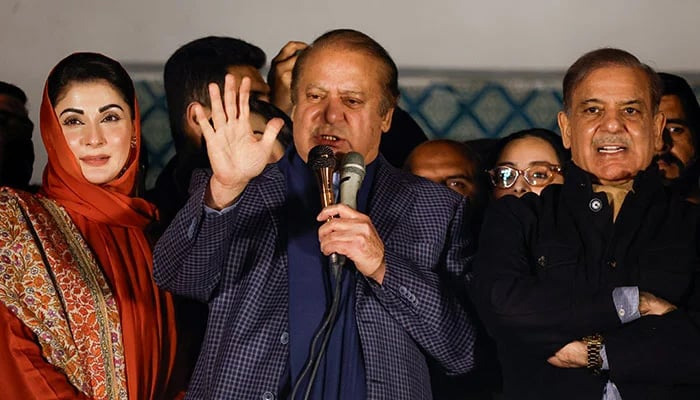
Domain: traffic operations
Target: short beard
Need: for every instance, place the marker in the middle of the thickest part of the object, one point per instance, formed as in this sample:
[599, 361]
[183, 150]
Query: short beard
[670, 159]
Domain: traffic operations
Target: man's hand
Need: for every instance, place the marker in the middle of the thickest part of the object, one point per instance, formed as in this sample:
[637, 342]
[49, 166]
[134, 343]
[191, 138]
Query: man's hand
[573, 355]
[235, 154]
[652, 305]
[352, 234]
[280, 76]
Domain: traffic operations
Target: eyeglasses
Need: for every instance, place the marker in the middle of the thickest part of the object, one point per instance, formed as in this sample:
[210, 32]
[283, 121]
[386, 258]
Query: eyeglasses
[540, 174]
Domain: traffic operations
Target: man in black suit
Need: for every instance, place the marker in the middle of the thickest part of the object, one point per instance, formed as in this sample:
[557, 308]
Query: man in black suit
[591, 288]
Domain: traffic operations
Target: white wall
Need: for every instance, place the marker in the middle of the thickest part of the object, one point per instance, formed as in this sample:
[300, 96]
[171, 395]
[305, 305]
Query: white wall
[454, 34]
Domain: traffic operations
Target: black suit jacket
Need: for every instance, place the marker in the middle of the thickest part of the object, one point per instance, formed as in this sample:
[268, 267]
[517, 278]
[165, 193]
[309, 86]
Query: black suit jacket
[544, 275]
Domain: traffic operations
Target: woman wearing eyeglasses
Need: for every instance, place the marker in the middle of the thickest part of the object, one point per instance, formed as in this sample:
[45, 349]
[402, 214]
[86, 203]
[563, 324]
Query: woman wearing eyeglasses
[527, 161]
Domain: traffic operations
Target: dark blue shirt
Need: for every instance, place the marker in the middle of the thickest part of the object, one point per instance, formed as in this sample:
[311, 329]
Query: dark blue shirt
[341, 374]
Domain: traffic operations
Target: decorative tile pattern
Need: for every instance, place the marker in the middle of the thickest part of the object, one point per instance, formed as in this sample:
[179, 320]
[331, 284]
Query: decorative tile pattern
[155, 127]
[455, 105]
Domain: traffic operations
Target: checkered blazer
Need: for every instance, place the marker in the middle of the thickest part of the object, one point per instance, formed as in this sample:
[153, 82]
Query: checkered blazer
[237, 263]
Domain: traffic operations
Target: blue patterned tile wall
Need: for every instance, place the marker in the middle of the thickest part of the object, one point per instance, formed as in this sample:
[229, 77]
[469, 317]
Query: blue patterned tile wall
[466, 106]
[155, 127]
[446, 104]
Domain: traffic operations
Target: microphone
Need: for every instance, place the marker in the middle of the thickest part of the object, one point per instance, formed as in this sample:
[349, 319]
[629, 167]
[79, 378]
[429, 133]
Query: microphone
[352, 172]
[322, 162]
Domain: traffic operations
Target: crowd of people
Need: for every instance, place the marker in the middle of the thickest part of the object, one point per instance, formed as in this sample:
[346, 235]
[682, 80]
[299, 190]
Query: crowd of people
[536, 266]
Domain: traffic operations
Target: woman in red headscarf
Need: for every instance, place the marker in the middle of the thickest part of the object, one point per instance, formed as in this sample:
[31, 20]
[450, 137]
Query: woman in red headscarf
[80, 315]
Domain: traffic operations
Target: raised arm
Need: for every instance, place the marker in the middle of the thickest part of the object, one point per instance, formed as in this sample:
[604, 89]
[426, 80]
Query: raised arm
[189, 257]
[235, 154]
[280, 76]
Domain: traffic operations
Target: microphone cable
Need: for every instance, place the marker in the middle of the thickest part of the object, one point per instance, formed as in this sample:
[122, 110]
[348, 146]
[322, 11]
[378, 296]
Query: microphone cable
[326, 328]
[322, 161]
[333, 314]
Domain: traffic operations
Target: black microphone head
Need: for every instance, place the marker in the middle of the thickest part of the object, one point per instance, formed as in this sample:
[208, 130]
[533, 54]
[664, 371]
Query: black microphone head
[321, 156]
[353, 162]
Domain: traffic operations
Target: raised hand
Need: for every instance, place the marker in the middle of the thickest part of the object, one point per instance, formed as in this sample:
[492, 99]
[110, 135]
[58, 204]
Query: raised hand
[280, 76]
[352, 234]
[235, 154]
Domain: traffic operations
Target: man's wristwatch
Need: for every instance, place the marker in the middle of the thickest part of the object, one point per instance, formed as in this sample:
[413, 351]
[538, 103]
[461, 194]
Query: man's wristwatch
[594, 344]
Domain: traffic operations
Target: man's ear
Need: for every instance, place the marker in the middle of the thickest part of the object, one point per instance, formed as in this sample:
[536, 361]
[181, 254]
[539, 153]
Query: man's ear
[565, 128]
[386, 120]
[192, 127]
[659, 124]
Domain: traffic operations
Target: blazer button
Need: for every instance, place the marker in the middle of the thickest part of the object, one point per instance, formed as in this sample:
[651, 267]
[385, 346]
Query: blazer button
[284, 339]
[612, 263]
[403, 290]
[542, 261]
[268, 396]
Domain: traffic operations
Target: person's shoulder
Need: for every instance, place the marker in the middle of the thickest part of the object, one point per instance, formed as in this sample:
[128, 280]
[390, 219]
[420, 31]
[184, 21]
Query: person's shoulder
[11, 195]
[16, 204]
[676, 202]
[421, 189]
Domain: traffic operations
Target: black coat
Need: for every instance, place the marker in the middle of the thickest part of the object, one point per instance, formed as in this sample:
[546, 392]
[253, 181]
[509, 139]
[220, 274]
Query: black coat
[544, 275]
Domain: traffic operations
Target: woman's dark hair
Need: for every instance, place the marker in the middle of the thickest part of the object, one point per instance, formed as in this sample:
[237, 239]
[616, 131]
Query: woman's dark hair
[548, 136]
[90, 67]
[269, 111]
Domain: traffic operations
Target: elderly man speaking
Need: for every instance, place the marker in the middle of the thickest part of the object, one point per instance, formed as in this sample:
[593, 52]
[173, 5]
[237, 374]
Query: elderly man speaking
[591, 289]
[251, 242]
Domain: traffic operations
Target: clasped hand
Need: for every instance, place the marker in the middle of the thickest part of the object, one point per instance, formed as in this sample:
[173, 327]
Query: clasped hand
[574, 354]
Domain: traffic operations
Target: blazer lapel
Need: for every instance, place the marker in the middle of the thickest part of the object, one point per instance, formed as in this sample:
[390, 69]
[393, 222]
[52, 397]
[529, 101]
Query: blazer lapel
[390, 199]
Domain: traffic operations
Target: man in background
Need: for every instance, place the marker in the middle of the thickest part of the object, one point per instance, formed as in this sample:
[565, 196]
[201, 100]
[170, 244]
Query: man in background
[16, 148]
[678, 162]
[446, 162]
[187, 74]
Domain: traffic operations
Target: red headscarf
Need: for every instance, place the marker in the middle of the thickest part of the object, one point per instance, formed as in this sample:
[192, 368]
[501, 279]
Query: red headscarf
[110, 203]
[112, 222]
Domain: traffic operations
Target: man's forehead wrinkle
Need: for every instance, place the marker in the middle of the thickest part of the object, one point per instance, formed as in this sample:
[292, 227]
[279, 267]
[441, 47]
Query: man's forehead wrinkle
[313, 85]
[341, 90]
[620, 102]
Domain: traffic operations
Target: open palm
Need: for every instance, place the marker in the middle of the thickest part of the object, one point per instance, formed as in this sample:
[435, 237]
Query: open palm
[236, 156]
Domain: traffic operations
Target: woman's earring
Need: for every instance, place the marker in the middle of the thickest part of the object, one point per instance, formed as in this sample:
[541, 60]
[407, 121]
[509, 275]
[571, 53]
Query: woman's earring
[133, 142]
